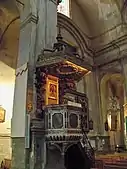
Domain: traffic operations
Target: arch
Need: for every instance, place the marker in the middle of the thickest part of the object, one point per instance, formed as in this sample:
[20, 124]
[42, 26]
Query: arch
[73, 158]
[10, 25]
[55, 146]
[81, 39]
[7, 27]
[68, 146]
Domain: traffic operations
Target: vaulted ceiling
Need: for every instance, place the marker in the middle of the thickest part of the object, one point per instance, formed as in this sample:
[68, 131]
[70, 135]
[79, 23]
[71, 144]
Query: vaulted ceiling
[99, 20]
[101, 15]
[9, 32]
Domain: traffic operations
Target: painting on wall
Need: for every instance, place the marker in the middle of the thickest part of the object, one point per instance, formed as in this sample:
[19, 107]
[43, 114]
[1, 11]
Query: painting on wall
[52, 91]
[2, 114]
[52, 96]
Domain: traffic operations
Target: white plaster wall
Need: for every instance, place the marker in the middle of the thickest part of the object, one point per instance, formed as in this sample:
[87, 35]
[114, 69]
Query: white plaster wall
[19, 105]
[5, 147]
[7, 81]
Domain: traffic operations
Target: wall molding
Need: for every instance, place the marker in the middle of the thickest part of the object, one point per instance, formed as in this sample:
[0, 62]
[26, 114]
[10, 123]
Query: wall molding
[31, 18]
[114, 51]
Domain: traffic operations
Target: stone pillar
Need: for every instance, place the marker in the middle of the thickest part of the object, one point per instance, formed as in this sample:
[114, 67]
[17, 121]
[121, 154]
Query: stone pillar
[93, 93]
[37, 156]
[38, 31]
[124, 72]
[47, 24]
[24, 74]
[45, 38]
[92, 90]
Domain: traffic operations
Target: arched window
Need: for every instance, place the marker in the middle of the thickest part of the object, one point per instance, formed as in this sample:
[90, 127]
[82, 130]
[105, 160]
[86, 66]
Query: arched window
[64, 7]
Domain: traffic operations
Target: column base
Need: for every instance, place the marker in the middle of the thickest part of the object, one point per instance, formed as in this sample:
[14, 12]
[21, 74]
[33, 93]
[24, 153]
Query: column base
[19, 154]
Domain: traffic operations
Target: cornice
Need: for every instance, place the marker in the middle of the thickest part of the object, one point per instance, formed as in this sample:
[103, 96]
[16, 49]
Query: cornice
[114, 51]
[5, 135]
[108, 47]
[30, 18]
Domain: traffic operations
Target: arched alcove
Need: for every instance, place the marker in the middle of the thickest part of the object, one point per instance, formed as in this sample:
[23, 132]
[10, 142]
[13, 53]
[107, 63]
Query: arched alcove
[112, 101]
[75, 158]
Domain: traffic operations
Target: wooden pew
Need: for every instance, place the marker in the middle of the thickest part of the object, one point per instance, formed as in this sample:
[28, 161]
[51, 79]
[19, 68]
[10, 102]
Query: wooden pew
[114, 167]
[117, 165]
[99, 164]
[111, 163]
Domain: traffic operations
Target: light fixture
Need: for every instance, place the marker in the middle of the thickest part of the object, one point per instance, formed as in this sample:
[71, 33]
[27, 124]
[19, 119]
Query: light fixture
[2, 114]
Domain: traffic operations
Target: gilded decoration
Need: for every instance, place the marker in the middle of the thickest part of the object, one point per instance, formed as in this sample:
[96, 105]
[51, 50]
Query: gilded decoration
[52, 87]
[29, 100]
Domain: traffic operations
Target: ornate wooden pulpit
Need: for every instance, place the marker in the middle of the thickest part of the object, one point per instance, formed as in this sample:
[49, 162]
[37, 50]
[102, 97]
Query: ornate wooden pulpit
[58, 103]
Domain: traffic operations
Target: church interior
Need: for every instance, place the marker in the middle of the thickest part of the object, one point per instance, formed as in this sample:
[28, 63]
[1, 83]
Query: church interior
[58, 59]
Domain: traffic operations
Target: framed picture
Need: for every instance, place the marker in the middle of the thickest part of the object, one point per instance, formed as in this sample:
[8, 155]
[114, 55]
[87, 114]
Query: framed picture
[52, 92]
[2, 114]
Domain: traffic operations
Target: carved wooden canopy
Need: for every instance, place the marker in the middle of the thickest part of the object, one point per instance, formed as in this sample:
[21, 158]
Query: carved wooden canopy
[63, 61]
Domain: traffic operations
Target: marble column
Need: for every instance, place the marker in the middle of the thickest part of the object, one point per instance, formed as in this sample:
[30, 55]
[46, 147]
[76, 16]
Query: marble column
[38, 31]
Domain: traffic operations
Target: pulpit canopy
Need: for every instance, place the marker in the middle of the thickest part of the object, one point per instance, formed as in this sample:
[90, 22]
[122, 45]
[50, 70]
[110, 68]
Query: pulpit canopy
[63, 61]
